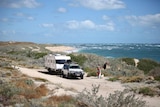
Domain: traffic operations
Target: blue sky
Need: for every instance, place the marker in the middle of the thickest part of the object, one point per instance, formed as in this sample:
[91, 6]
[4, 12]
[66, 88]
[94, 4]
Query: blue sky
[80, 21]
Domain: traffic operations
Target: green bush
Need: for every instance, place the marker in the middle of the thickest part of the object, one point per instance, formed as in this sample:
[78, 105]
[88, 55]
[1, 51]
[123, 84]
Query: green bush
[7, 91]
[157, 78]
[113, 79]
[29, 53]
[39, 55]
[12, 52]
[35, 55]
[129, 61]
[29, 82]
[80, 59]
[124, 99]
[146, 65]
[147, 91]
[91, 74]
[90, 71]
[93, 61]
[155, 73]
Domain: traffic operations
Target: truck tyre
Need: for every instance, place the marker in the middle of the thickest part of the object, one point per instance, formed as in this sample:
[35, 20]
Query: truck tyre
[63, 76]
[68, 76]
[49, 70]
[81, 76]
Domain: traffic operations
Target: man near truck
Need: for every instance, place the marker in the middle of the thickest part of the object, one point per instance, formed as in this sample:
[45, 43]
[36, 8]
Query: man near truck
[99, 72]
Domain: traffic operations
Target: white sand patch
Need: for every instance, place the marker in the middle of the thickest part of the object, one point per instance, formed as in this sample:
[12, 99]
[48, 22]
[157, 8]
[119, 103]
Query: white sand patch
[136, 62]
[66, 49]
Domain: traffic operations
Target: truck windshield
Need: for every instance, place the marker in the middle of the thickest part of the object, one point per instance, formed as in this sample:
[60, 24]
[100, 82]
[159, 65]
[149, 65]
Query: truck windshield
[62, 61]
[75, 67]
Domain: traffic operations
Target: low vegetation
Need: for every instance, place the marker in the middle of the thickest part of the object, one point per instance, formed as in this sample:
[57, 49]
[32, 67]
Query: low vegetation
[132, 79]
[79, 58]
[40, 79]
[155, 72]
[129, 61]
[147, 65]
[147, 91]
[113, 79]
[18, 88]
[90, 71]
[24, 54]
[118, 99]
[61, 101]
[35, 55]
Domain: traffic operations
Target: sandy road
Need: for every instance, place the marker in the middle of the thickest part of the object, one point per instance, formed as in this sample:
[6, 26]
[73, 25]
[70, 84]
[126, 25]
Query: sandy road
[106, 87]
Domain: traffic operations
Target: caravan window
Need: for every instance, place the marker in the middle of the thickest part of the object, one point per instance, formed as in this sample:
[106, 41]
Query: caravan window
[62, 61]
[68, 61]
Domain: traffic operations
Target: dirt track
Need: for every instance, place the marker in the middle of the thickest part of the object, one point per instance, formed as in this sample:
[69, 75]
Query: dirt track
[106, 87]
[77, 85]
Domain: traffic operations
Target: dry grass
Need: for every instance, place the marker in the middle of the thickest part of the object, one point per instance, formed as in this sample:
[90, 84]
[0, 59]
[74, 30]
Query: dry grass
[42, 90]
[38, 92]
[28, 89]
[40, 79]
[132, 79]
[59, 100]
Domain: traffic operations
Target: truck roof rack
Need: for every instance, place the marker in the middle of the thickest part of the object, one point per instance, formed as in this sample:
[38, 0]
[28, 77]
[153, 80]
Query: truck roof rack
[57, 54]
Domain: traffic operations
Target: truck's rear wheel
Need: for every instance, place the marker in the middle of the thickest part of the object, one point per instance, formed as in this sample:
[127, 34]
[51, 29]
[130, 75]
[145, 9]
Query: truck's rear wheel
[63, 76]
[68, 76]
[81, 76]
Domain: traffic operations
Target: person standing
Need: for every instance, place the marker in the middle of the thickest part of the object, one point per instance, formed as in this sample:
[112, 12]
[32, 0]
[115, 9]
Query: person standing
[99, 71]
[105, 65]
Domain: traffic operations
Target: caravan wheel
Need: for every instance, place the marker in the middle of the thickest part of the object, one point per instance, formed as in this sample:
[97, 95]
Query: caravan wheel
[63, 75]
[49, 70]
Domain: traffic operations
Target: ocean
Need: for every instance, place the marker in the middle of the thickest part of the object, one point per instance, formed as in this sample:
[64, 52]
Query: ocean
[139, 51]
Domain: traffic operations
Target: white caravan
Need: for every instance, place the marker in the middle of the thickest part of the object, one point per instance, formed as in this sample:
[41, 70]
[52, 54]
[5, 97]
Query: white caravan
[55, 63]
